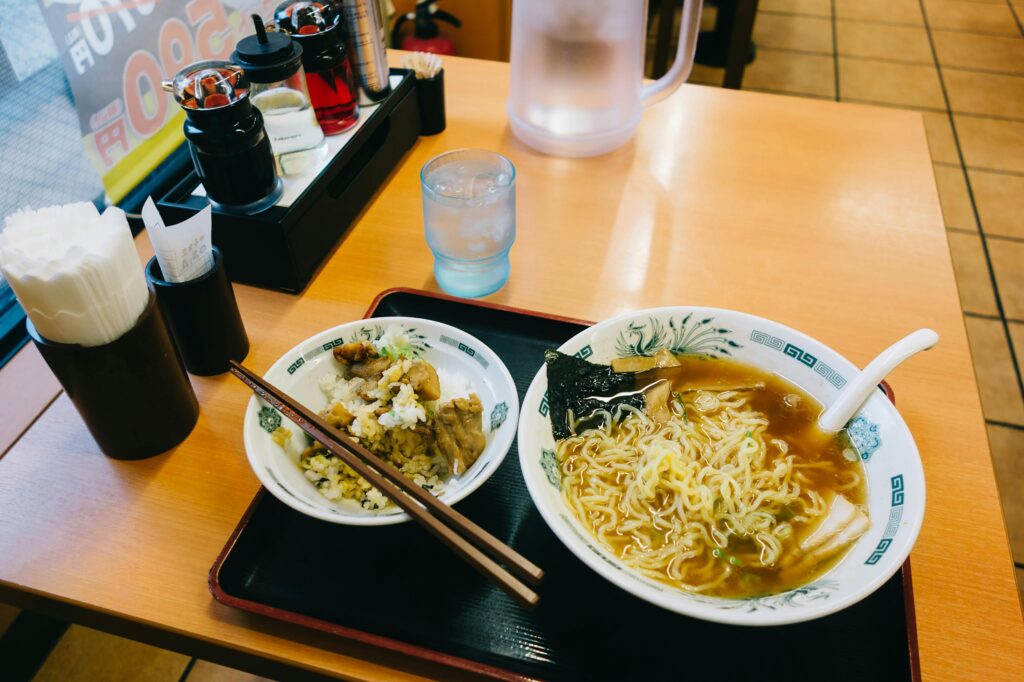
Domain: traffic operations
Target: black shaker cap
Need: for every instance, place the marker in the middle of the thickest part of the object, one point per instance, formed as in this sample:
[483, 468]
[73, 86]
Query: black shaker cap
[268, 56]
[208, 85]
[316, 25]
[305, 17]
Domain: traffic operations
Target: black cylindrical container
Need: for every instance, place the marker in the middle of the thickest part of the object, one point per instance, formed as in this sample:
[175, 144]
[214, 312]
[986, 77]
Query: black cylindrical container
[329, 75]
[229, 146]
[430, 97]
[132, 393]
[203, 316]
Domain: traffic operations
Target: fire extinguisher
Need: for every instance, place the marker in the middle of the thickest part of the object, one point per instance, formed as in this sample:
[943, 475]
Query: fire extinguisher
[426, 37]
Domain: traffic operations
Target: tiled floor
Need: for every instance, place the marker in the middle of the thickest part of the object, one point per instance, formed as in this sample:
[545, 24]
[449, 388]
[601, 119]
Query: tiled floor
[85, 655]
[961, 64]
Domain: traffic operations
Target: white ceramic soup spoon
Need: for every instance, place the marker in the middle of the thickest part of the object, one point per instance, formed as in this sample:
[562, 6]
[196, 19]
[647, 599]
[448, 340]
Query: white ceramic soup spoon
[850, 399]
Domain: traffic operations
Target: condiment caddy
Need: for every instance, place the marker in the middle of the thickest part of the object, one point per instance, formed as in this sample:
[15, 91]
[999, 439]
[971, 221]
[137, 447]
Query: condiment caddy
[282, 246]
[281, 148]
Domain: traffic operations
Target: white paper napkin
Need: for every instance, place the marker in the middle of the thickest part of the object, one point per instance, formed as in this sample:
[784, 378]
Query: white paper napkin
[184, 251]
[76, 273]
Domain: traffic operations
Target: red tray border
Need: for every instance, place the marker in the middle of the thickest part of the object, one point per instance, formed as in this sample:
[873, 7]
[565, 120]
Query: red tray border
[424, 653]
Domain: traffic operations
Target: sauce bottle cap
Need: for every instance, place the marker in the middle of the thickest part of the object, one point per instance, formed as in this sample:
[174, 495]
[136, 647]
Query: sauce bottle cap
[208, 85]
[305, 17]
[268, 56]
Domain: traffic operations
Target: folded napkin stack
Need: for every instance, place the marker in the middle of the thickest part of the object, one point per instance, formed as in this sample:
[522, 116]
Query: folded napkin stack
[75, 272]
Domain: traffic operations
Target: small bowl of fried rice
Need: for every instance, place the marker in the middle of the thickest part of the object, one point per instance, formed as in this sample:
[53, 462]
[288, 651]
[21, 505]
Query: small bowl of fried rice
[427, 398]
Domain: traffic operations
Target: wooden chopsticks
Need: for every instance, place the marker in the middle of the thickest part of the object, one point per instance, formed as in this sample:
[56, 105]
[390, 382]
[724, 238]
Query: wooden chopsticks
[471, 542]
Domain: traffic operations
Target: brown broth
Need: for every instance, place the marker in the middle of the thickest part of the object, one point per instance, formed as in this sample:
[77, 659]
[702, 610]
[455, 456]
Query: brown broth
[794, 421]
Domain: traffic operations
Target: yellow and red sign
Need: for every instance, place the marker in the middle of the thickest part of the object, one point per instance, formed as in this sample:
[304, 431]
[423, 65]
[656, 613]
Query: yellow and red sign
[116, 53]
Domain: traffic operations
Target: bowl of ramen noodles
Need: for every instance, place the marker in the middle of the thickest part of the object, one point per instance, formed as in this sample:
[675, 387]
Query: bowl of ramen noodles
[676, 452]
[427, 398]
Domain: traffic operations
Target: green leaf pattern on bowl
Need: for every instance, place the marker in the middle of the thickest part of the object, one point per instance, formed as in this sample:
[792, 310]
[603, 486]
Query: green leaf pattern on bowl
[687, 336]
[549, 462]
[795, 598]
[417, 342]
[368, 333]
[865, 436]
[270, 419]
[498, 415]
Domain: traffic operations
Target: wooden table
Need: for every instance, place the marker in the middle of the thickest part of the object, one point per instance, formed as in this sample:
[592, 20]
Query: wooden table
[823, 216]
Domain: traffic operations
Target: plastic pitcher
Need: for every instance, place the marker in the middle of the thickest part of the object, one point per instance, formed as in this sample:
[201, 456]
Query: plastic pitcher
[577, 72]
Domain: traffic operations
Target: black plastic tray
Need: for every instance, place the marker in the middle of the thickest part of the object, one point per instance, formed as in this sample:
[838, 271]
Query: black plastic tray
[285, 565]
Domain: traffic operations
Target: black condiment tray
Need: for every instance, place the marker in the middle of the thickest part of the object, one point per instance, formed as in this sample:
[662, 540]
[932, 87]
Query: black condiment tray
[397, 588]
[282, 247]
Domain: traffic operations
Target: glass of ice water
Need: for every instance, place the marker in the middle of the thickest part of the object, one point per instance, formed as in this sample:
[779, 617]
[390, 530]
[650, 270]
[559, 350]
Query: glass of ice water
[469, 210]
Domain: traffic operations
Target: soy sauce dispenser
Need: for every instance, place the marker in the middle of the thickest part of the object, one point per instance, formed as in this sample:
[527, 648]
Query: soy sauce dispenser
[317, 27]
[273, 65]
[226, 137]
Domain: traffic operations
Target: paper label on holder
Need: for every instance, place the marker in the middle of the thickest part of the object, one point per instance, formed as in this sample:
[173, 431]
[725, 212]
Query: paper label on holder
[184, 251]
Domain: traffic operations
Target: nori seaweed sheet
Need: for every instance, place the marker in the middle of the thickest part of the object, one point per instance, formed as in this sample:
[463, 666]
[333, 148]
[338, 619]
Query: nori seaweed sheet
[584, 387]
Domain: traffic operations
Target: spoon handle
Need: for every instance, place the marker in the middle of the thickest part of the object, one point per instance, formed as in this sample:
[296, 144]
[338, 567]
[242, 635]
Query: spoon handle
[850, 399]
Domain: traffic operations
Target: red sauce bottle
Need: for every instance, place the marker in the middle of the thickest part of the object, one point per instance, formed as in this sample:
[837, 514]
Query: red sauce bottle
[332, 86]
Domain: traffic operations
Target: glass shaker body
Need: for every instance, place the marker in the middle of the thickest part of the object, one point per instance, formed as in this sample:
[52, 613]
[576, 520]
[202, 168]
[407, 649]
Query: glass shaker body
[273, 66]
[295, 135]
[317, 28]
[332, 87]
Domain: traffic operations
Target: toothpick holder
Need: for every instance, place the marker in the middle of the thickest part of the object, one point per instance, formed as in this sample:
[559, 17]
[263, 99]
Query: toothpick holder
[430, 93]
[203, 316]
[132, 393]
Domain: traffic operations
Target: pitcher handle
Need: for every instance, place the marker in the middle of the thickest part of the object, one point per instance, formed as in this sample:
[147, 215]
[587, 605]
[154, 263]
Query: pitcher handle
[683, 63]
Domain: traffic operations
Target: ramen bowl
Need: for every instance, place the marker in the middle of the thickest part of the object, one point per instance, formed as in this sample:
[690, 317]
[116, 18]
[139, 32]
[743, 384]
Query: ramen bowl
[298, 373]
[895, 480]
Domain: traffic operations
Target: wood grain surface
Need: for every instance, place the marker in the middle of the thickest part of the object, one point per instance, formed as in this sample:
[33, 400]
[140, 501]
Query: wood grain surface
[822, 216]
[27, 386]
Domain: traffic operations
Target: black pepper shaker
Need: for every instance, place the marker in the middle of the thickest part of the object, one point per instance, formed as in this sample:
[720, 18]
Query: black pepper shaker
[228, 143]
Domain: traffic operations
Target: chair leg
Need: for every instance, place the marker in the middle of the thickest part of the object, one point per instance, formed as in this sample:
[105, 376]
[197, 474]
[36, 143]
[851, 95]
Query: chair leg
[739, 43]
[666, 22]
